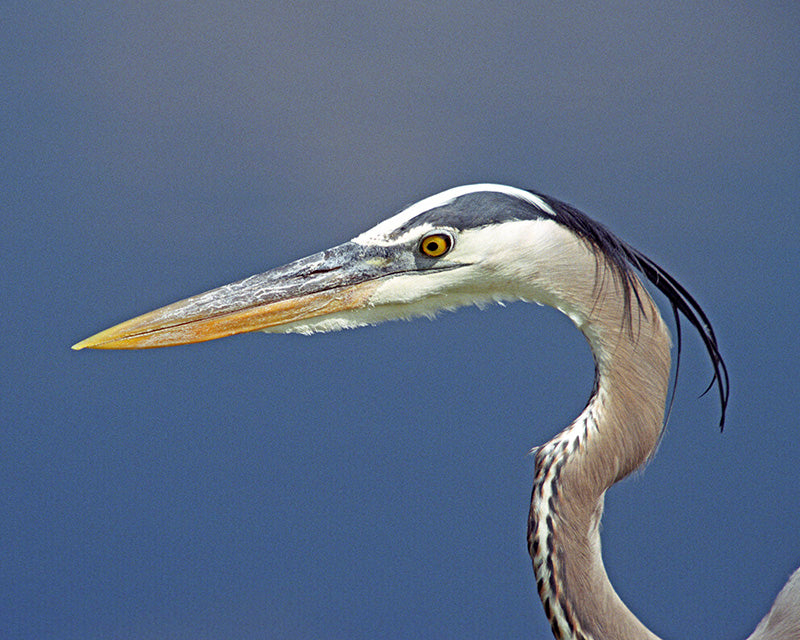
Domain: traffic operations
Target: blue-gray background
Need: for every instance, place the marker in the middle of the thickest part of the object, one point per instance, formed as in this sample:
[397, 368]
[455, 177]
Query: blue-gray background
[375, 483]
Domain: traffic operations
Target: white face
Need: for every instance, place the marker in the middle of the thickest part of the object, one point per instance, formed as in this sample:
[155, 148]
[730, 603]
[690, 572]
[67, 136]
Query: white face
[495, 263]
[486, 260]
[503, 262]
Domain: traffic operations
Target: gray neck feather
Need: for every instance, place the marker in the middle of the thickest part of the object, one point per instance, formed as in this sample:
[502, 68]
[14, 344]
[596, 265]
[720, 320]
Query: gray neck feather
[617, 432]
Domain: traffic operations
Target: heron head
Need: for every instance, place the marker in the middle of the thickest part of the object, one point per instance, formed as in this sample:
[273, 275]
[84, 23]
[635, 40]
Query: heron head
[468, 245]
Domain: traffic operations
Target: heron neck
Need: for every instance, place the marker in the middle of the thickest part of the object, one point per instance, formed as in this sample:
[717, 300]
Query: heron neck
[616, 433]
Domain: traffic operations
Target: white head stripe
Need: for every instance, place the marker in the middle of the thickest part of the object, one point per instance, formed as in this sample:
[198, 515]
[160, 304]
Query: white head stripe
[384, 228]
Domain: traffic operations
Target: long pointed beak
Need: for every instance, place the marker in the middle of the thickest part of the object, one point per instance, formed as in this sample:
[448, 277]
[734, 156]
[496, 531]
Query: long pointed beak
[339, 279]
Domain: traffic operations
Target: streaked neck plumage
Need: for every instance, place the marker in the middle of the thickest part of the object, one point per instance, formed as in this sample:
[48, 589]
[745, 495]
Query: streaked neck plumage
[617, 432]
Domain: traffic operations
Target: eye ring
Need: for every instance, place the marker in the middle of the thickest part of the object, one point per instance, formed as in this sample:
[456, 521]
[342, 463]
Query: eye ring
[435, 245]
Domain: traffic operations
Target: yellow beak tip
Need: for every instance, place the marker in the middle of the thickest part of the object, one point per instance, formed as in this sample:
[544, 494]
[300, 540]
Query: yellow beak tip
[97, 341]
[82, 344]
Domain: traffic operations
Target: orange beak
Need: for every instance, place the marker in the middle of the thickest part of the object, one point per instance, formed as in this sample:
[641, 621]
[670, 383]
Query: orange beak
[340, 279]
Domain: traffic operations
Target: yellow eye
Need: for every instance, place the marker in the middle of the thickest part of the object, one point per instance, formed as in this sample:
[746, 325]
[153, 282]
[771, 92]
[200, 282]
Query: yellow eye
[436, 245]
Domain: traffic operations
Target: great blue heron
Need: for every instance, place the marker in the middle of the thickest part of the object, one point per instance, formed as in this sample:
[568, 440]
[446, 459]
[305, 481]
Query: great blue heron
[491, 243]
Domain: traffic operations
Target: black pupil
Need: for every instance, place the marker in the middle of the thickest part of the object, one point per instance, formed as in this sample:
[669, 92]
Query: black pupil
[435, 245]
